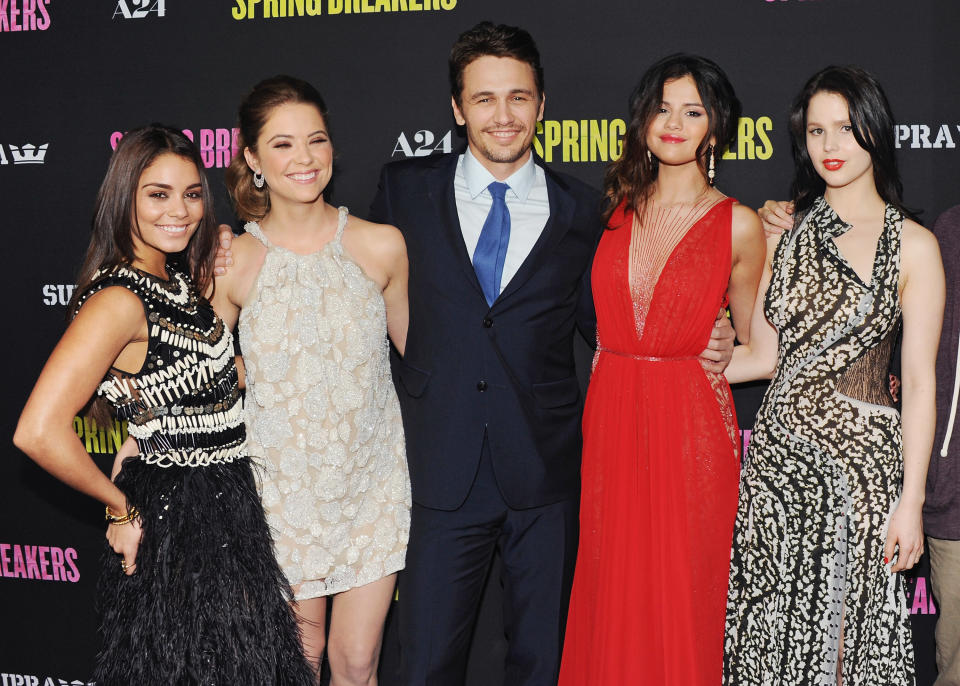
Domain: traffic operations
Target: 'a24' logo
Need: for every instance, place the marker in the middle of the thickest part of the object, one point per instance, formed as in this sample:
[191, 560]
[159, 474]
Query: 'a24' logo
[138, 9]
[425, 144]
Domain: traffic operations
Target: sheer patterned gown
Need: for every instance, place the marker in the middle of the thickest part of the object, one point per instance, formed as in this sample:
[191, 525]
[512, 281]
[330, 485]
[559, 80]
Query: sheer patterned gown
[323, 416]
[660, 458]
[822, 474]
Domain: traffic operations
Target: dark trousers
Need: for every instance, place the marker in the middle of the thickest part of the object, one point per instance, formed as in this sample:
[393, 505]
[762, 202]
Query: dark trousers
[448, 559]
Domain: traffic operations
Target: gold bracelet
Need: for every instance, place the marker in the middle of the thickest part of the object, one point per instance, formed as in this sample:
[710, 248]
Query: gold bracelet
[131, 514]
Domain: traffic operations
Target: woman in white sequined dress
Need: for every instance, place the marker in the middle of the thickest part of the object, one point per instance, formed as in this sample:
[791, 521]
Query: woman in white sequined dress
[316, 292]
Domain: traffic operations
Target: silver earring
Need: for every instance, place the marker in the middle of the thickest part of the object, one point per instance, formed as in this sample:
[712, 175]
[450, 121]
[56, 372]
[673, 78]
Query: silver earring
[649, 157]
[711, 170]
[258, 179]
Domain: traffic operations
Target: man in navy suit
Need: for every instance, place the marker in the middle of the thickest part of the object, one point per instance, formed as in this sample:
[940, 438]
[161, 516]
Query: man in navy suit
[500, 249]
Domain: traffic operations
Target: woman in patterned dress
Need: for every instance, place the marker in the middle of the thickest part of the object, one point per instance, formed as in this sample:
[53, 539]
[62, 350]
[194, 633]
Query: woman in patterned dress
[316, 292]
[196, 596]
[833, 483]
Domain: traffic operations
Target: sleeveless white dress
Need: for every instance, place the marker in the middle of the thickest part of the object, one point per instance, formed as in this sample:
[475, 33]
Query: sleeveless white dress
[323, 418]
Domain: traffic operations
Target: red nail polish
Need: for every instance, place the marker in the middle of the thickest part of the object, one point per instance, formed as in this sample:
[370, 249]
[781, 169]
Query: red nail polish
[885, 560]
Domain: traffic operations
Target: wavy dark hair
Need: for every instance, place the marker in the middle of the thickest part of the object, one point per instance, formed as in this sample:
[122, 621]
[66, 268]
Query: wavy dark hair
[496, 40]
[114, 218]
[249, 202]
[872, 122]
[630, 179]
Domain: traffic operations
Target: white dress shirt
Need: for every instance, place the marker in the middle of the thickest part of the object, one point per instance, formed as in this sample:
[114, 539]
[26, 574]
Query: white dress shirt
[526, 200]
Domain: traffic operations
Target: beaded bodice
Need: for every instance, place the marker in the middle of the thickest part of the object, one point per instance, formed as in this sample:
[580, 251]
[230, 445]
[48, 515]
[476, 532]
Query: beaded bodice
[183, 407]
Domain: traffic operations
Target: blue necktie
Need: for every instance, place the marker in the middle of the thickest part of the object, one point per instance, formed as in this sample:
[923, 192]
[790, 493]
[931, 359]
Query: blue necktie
[491, 250]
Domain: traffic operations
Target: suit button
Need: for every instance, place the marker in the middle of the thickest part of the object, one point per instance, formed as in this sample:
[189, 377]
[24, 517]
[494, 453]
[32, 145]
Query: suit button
[487, 322]
[481, 386]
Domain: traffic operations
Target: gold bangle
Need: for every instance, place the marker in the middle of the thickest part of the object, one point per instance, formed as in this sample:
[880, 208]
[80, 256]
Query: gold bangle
[112, 518]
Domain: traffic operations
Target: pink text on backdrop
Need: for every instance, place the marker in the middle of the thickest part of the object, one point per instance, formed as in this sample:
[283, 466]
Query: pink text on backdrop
[24, 15]
[217, 146]
[40, 562]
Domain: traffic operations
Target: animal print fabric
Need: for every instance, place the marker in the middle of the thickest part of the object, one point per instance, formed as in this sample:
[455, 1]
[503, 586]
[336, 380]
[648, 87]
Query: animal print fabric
[822, 474]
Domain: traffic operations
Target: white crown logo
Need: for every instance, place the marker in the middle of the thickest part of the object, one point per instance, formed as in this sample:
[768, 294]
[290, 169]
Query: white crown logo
[28, 153]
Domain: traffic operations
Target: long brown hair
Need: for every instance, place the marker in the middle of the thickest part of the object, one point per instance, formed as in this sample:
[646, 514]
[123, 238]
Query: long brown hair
[630, 179]
[252, 203]
[111, 239]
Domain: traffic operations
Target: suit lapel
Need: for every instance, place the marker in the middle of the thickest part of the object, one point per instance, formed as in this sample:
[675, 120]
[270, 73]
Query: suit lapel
[561, 215]
[441, 192]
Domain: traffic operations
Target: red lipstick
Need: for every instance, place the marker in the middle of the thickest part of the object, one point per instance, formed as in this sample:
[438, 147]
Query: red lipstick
[672, 139]
[833, 165]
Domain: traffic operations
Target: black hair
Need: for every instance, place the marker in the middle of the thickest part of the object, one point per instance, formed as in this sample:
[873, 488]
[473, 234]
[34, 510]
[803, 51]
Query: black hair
[872, 122]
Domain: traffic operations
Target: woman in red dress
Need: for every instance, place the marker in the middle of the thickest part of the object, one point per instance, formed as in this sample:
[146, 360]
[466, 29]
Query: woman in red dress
[661, 446]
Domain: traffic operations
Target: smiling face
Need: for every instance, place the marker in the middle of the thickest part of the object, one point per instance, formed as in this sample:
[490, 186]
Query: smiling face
[680, 125]
[834, 151]
[294, 154]
[169, 207]
[500, 107]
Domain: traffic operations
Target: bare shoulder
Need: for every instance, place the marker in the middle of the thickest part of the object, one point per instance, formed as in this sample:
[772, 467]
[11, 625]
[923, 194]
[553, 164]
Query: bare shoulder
[115, 310]
[920, 260]
[247, 254]
[912, 231]
[381, 240]
[745, 220]
[113, 301]
[918, 242]
[746, 233]
[246, 242]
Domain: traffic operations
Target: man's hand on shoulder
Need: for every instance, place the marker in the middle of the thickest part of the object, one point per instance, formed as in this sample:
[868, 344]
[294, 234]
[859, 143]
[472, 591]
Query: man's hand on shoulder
[777, 217]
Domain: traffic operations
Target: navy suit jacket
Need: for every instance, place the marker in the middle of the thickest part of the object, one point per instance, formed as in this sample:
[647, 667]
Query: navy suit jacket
[506, 370]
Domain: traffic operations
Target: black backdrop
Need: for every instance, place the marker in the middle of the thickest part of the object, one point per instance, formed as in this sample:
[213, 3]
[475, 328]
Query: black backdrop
[77, 73]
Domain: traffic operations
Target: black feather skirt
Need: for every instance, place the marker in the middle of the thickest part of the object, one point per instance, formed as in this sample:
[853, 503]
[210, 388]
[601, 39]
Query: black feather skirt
[208, 604]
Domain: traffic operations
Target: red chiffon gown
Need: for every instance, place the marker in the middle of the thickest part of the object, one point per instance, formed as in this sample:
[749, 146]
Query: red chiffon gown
[660, 460]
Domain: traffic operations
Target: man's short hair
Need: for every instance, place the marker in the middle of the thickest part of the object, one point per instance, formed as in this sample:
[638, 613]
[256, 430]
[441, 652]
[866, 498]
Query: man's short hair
[500, 40]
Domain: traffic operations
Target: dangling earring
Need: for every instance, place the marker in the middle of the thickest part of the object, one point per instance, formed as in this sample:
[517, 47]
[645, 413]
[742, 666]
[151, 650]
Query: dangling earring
[649, 157]
[711, 170]
[258, 179]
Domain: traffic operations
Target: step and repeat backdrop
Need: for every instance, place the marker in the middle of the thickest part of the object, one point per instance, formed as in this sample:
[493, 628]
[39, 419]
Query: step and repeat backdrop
[78, 73]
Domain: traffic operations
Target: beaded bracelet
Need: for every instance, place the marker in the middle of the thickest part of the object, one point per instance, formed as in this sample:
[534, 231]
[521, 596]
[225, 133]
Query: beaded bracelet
[131, 514]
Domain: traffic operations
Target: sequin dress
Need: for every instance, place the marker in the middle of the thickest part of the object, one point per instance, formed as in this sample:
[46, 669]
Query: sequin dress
[323, 417]
[208, 604]
[660, 459]
[822, 475]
